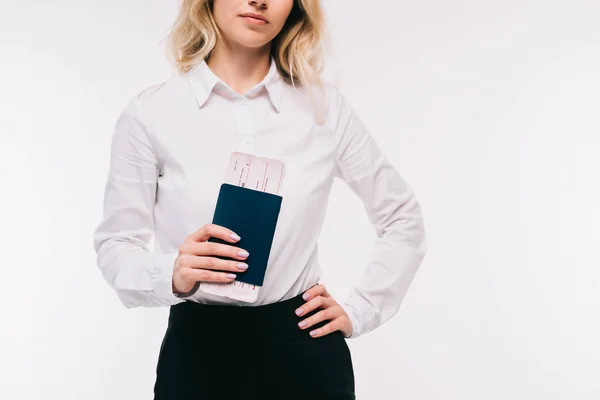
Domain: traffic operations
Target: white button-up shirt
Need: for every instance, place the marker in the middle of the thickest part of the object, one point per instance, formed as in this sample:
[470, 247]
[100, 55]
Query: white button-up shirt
[169, 153]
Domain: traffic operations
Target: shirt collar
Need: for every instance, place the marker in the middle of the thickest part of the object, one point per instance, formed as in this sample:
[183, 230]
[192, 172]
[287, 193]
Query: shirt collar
[203, 82]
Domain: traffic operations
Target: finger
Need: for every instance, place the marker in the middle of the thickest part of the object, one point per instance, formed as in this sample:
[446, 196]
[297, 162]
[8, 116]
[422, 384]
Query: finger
[204, 275]
[331, 327]
[213, 249]
[213, 263]
[317, 290]
[188, 261]
[327, 314]
[317, 302]
[207, 231]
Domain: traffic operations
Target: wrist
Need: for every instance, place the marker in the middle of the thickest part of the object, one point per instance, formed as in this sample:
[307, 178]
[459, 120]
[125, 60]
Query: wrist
[186, 294]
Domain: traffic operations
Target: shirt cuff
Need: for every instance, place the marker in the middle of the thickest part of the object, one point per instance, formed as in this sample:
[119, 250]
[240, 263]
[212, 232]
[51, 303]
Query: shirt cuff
[162, 278]
[353, 319]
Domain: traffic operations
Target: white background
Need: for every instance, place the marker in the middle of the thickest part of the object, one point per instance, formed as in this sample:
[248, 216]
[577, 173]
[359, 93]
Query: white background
[489, 109]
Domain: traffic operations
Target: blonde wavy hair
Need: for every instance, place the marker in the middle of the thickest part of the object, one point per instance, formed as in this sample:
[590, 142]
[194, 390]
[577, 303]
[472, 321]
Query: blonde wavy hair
[297, 49]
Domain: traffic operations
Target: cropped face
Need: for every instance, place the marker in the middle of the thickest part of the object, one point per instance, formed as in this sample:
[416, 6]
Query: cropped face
[251, 24]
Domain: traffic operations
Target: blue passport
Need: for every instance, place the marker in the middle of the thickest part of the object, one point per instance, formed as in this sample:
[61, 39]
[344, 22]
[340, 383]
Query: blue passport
[253, 215]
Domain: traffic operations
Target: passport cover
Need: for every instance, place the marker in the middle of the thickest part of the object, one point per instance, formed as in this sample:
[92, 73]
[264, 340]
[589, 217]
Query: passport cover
[253, 215]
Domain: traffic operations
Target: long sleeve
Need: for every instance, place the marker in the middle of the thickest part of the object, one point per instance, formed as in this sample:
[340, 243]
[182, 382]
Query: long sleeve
[395, 214]
[140, 277]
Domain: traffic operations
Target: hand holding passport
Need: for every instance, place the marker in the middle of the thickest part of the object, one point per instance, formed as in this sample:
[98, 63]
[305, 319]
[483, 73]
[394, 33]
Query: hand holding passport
[196, 260]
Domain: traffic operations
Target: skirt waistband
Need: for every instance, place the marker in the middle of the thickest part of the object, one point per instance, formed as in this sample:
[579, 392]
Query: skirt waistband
[243, 320]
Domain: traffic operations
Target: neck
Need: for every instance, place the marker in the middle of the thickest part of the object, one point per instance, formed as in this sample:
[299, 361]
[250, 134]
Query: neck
[239, 68]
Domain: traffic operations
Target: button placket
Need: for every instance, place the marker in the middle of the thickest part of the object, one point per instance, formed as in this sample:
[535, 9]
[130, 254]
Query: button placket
[246, 124]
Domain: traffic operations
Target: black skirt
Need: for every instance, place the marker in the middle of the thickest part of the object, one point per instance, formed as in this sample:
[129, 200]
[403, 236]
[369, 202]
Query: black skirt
[221, 352]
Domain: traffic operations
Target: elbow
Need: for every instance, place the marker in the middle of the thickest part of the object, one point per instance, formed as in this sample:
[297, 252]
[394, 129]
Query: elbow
[129, 300]
[407, 228]
[106, 262]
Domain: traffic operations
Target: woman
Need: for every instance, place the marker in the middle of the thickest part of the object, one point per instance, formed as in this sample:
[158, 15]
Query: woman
[250, 82]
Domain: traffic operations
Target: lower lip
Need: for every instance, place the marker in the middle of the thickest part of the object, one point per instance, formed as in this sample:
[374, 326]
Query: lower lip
[254, 20]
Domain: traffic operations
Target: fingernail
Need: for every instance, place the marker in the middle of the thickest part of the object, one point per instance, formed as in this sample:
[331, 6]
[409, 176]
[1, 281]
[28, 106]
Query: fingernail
[243, 253]
[234, 236]
[306, 296]
[302, 324]
[242, 266]
[313, 333]
[231, 276]
[299, 311]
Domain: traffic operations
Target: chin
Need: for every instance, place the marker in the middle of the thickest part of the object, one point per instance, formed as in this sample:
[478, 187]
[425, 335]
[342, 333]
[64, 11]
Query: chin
[252, 44]
[250, 39]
